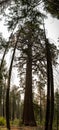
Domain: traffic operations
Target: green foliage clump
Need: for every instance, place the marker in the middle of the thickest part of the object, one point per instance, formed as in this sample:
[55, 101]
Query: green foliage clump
[2, 121]
[16, 122]
[40, 123]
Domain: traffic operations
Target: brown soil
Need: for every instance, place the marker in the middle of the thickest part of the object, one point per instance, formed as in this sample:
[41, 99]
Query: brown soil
[23, 128]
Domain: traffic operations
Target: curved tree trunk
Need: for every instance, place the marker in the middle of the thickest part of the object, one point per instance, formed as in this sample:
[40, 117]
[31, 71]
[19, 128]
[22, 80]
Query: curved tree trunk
[8, 89]
[28, 113]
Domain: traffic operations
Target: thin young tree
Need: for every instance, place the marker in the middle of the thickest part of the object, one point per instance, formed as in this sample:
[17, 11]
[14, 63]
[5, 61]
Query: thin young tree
[8, 83]
[50, 88]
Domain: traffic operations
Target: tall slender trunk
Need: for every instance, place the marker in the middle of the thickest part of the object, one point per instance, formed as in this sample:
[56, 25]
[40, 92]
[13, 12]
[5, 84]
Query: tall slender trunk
[57, 101]
[3, 58]
[40, 108]
[52, 99]
[8, 89]
[28, 113]
[57, 120]
[1, 64]
[48, 88]
[3, 107]
[13, 109]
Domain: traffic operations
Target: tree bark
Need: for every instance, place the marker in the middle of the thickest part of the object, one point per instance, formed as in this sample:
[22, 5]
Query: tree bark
[28, 113]
[52, 99]
[41, 117]
[57, 101]
[50, 90]
[3, 107]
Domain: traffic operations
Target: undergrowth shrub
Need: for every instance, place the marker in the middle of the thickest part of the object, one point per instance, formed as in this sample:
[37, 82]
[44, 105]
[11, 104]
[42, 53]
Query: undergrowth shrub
[2, 121]
[16, 122]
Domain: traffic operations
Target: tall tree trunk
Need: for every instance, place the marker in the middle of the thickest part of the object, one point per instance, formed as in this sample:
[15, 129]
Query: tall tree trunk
[57, 102]
[48, 88]
[52, 99]
[40, 108]
[28, 113]
[3, 107]
[13, 110]
[57, 120]
[8, 89]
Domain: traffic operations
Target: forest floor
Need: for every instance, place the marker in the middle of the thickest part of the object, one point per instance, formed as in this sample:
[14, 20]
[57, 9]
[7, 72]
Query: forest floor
[23, 128]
